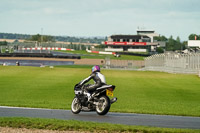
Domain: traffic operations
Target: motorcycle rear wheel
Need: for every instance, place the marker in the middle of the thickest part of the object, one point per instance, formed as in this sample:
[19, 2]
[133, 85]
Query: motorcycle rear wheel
[76, 106]
[103, 105]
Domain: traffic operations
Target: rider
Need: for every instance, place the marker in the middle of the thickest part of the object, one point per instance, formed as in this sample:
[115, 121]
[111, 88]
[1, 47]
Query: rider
[98, 78]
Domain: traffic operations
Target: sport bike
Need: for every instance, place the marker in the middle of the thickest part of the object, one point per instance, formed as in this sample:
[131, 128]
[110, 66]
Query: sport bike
[99, 102]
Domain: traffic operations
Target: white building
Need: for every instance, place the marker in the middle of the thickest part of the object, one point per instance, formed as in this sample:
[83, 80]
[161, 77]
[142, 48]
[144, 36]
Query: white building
[142, 42]
[149, 33]
[194, 43]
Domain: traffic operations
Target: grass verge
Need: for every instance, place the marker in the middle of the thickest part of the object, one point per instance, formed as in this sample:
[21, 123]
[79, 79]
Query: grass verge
[85, 55]
[137, 91]
[73, 125]
[75, 66]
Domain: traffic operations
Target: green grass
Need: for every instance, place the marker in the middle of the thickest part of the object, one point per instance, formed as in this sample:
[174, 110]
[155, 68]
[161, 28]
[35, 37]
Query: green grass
[71, 125]
[75, 66]
[86, 55]
[137, 91]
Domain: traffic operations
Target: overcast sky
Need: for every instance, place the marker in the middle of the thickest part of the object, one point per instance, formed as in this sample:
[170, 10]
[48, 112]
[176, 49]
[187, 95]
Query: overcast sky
[100, 17]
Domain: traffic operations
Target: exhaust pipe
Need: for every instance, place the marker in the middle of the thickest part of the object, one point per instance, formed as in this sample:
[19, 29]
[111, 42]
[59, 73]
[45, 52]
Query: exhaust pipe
[113, 100]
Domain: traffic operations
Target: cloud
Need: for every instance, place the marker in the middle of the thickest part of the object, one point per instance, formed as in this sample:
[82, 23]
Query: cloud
[55, 11]
[100, 17]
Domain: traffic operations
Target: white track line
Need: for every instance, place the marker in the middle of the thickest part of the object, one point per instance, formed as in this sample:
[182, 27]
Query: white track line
[9, 107]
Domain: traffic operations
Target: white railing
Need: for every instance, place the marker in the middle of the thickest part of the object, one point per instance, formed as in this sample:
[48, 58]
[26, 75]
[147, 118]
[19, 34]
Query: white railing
[137, 50]
[199, 73]
[114, 49]
[174, 63]
[123, 64]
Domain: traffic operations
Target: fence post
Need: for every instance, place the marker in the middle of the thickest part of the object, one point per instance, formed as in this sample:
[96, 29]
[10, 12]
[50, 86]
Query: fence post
[199, 73]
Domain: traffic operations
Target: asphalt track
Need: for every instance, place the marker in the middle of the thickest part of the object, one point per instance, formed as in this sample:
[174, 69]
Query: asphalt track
[166, 121]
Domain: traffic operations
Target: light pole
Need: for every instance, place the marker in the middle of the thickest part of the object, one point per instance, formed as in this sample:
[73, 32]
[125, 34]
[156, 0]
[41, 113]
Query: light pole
[41, 39]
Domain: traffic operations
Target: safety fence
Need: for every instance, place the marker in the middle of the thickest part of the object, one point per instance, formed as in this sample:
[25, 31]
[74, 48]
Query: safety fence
[174, 63]
[123, 64]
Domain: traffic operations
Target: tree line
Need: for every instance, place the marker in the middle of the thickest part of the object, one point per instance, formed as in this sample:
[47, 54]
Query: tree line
[171, 44]
[42, 38]
[48, 38]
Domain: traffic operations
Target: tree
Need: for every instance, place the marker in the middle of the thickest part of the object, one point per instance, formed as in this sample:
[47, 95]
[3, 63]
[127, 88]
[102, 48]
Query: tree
[178, 44]
[173, 45]
[101, 46]
[159, 50]
[36, 38]
[170, 44]
[160, 38]
[184, 44]
[192, 37]
[178, 40]
[40, 38]
[48, 39]
[4, 43]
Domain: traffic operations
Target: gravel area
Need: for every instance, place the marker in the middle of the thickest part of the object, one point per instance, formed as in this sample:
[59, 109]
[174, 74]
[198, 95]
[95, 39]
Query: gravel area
[24, 130]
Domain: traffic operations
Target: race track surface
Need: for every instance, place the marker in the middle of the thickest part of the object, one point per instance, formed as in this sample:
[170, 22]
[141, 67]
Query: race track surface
[166, 121]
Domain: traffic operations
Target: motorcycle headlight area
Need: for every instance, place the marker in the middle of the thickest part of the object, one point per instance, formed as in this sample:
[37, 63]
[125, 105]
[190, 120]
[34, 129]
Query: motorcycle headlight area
[78, 92]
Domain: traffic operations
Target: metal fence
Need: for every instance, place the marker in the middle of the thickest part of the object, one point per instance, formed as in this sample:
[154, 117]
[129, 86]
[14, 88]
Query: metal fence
[174, 63]
[123, 64]
[6, 49]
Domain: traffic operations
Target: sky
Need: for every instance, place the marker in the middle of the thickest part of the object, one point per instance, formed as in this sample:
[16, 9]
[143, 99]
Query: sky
[89, 18]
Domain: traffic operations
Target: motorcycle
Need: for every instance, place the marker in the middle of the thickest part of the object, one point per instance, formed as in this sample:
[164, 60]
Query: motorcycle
[99, 102]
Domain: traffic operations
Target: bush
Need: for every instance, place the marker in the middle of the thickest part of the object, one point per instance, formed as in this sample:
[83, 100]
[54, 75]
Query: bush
[4, 43]
[159, 50]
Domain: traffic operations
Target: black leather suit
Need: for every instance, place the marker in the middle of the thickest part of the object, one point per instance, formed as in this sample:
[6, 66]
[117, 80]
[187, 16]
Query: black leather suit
[98, 78]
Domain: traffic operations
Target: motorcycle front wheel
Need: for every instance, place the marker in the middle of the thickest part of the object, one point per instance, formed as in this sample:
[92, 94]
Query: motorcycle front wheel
[76, 106]
[103, 105]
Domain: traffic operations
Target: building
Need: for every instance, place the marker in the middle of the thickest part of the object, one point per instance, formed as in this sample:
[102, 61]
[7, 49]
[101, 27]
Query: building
[194, 43]
[142, 42]
[149, 33]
